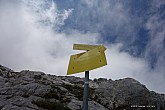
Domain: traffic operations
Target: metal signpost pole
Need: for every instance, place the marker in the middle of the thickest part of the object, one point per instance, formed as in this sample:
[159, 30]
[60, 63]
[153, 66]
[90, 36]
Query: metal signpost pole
[86, 91]
[93, 58]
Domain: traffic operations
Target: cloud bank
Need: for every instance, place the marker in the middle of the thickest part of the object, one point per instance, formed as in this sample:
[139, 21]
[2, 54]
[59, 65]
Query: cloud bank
[37, 35]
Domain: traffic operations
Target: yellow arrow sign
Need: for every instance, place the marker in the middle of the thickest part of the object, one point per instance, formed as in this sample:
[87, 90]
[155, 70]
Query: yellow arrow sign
[92, 59]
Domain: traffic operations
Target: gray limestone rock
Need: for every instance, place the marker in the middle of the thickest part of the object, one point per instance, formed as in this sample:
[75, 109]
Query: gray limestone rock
[31, 90]
[125, 93]
[93, 105]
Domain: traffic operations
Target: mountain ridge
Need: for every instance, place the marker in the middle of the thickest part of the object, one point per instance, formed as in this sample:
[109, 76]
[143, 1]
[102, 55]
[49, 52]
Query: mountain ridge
[33, 90]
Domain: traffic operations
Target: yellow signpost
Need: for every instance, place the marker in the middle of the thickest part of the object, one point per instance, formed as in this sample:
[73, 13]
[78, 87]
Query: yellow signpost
[93, 58]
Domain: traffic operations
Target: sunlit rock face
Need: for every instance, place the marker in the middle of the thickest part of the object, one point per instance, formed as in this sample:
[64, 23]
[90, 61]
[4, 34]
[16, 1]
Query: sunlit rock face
[33, 90]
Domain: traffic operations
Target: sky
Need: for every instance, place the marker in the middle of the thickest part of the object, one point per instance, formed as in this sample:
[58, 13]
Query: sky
[39, 35]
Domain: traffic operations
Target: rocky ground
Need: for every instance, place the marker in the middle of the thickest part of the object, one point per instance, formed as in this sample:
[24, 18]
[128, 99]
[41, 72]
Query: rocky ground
[32, 90]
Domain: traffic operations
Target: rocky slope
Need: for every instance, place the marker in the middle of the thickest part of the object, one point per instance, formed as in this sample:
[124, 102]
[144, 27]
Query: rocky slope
[32, 90]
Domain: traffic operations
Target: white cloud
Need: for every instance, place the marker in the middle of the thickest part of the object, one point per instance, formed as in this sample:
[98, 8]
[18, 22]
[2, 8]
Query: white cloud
[28, 42]
[156, 45]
